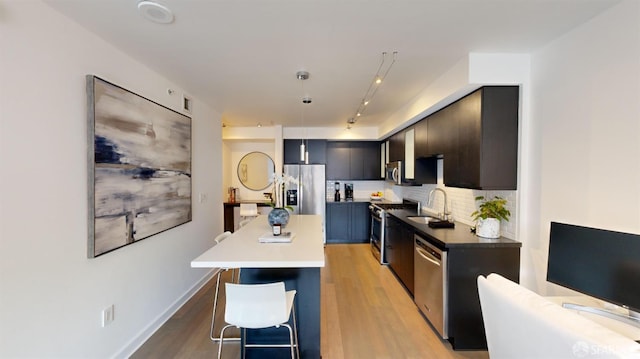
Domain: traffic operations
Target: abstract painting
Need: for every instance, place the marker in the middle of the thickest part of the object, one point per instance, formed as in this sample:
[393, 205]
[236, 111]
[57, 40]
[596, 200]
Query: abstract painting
[139, 161]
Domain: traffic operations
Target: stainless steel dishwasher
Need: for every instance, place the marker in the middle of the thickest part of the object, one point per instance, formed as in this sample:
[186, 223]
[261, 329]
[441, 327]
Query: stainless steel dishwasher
[430, 292]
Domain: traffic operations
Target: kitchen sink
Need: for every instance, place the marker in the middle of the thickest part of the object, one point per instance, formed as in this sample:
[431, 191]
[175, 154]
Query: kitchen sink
[422, 219]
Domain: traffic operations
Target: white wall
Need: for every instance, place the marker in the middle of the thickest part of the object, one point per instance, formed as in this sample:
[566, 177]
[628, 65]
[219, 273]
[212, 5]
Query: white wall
[51, 295]
[357, 132]
[586, 115]
[237, 150]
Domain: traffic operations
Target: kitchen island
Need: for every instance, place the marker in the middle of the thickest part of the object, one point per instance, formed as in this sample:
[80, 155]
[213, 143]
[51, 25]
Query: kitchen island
[297, 264]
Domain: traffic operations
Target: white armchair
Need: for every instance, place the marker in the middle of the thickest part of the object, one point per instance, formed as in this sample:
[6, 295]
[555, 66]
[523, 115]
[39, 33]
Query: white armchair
[521, 324]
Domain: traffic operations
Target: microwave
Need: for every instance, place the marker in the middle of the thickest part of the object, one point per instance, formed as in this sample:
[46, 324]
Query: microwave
[394, 172]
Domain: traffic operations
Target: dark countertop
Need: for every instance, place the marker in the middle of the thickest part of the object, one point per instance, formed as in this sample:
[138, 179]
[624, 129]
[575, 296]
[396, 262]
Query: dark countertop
[260, 203]
[365, 199]
[342, 200]
[460, 236]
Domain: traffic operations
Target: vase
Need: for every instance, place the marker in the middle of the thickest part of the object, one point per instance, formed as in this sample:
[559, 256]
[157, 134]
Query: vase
[278, 215]
[488, 228]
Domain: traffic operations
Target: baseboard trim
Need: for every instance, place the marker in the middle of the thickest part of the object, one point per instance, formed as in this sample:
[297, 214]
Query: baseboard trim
[150, 329]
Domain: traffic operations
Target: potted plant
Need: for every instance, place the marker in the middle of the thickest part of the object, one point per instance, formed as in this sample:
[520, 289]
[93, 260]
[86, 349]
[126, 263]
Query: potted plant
[488, 216]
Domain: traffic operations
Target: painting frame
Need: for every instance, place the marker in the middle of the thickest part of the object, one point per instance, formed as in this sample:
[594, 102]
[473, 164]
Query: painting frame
[139, 167]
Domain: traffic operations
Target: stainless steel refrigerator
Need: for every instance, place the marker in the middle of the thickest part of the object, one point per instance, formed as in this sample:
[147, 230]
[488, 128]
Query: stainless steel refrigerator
[309, 196]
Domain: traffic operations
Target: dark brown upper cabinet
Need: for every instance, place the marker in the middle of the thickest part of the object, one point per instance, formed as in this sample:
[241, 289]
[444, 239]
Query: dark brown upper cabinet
[421, 148]
[396, 147]
[316, 148]
[477, 136]
[353, 160]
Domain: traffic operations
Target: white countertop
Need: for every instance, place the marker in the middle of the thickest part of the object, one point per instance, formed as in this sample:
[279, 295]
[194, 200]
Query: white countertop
[242, 249]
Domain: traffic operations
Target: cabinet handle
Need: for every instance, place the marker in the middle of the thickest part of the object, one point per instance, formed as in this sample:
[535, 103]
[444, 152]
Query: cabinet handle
[426, 255]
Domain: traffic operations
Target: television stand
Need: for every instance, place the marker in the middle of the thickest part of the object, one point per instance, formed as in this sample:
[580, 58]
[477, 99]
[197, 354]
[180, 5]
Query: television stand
[582, 302]
[627, 319]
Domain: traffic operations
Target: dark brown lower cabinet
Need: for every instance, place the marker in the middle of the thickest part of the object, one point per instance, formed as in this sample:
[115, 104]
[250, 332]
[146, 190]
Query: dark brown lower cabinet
[399, 251]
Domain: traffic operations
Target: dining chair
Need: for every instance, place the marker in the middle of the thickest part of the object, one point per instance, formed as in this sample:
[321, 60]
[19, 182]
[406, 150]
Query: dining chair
[248, 211]
[258, 306]
[219, 238]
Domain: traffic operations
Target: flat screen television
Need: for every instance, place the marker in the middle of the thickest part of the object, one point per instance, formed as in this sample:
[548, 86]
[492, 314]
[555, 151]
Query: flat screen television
[599, 263]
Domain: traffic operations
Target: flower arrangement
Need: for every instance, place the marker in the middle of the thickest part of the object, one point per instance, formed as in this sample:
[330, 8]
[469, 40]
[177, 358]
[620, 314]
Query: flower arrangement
[279, 182]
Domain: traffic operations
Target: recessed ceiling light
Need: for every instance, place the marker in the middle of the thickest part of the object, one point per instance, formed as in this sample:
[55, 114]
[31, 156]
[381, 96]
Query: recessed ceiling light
[155, 12]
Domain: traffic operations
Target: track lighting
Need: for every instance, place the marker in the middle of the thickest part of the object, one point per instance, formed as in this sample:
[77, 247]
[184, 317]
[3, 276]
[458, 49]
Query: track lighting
[380, 75]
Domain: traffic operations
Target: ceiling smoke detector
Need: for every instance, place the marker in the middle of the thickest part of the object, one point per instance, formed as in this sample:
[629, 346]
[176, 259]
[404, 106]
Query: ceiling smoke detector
[302, 75]
[155, 12]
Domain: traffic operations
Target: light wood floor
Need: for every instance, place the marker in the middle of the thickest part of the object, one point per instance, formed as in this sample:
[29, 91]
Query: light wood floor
[366, 313]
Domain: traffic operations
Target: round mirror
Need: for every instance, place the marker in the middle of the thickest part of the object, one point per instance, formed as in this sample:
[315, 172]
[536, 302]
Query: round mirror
[255, 171]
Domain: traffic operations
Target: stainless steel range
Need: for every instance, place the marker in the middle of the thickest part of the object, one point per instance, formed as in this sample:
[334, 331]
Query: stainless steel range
[379, 227]
[376, 237]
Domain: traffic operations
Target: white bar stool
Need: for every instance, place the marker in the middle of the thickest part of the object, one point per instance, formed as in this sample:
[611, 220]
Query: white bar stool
[257, 306]
[221, 237]
[248, 211]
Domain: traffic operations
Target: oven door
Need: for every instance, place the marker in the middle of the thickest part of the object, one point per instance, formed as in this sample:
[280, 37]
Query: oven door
[377, 237]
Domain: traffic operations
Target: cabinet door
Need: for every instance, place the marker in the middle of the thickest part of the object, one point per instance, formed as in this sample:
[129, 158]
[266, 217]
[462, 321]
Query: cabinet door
[443, 141]
[392, 236]
[338, 227]
[406, 254]
[409, 157]
[365, 160]
[360, 222]
[357, 155]
[487, 145]
[291, 152]
[442, 132]
[373, 170]
[499, 147]
[467, 112]
[421, 148]
[317, 151]
[396, 147]
[338, 161]
[383, 159]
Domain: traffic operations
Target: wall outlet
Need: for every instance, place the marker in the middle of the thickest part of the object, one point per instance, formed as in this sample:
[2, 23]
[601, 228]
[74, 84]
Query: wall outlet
[203, 197]
[108, 315]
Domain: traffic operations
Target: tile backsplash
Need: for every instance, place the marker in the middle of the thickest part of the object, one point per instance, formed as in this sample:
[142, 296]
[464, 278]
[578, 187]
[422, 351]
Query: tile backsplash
[461, 200]
[462, 203]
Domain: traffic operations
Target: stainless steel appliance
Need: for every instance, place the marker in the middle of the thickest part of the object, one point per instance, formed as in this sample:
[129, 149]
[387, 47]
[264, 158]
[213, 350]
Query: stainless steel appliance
[430, 287]
[376, 237]
[348, 191]
[309, 196]
[336, 196]
[378, 230]
[394, 172]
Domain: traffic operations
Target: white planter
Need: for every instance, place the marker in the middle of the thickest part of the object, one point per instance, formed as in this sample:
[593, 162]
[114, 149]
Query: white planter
[488, 228]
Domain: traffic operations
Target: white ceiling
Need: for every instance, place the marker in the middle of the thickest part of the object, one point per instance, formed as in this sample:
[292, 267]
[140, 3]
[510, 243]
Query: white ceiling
[241, 56]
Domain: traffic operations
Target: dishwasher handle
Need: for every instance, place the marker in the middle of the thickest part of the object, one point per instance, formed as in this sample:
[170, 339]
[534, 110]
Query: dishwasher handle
[428, 256]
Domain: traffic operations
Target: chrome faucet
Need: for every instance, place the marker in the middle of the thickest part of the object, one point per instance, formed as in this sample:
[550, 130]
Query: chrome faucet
[444, 215]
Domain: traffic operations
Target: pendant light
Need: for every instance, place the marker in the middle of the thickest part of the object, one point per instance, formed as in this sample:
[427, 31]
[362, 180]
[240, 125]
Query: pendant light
[305, 101]
[304, 154]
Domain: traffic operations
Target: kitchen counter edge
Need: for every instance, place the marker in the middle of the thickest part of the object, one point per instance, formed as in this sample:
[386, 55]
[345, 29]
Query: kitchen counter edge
[460, 236]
